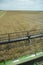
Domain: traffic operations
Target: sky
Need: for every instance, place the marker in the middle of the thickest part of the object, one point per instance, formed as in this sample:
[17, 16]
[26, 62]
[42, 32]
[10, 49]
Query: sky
[21, 5]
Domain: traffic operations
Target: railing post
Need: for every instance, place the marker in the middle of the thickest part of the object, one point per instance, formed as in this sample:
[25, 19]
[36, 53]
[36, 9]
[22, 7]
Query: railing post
[28, 40]
[28, 36]
[9, 37]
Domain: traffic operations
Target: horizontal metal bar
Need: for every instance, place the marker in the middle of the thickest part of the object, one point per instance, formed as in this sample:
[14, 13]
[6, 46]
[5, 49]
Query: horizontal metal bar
[15, 40]
[36, 36]
[22, 39]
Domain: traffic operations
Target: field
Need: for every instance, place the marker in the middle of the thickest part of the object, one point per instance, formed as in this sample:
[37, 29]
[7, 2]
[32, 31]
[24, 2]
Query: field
[14, 21]
[20, 21]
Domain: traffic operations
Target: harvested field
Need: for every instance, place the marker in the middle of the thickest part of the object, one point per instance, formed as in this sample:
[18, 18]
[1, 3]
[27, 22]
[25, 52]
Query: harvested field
[20, 21]
[13, 21]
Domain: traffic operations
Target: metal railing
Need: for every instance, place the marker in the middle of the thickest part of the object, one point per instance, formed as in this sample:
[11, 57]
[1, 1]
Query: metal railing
[18, 36]
[8, 40]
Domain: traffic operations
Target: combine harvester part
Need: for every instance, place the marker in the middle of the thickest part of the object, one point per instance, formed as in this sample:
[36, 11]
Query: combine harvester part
[23, 59]
[21, 39]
